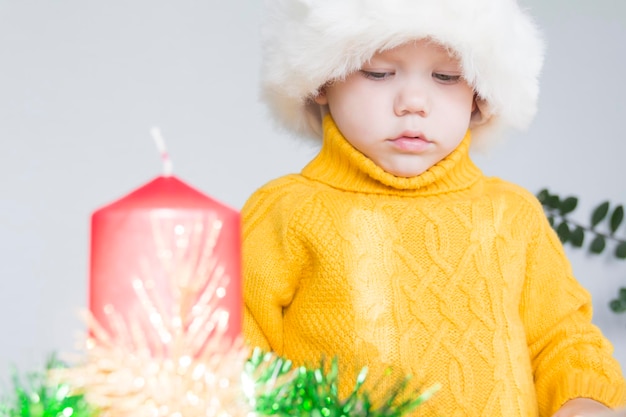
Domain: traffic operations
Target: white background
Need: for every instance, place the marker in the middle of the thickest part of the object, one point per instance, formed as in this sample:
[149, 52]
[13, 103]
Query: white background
[82, 82]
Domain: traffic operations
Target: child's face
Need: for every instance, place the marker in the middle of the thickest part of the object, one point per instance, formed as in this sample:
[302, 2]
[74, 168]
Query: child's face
[406, 109]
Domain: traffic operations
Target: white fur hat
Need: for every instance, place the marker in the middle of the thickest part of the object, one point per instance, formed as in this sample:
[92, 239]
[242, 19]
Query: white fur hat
[307, 43]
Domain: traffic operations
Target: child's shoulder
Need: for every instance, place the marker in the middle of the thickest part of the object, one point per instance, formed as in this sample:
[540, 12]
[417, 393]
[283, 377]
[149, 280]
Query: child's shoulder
[285, 186]
[512, 193]
[282, 193]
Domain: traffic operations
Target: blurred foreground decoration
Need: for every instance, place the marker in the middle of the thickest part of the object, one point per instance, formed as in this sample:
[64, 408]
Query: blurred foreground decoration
[165, 305]
[34, 395]
[275, 387]
[270, 386]
[175, 350]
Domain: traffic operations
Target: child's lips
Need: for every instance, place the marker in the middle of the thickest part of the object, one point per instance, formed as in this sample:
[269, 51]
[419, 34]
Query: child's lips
[411, 142]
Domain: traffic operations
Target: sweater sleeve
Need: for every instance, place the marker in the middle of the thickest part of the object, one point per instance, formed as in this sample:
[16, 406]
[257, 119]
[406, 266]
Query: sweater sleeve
[570, 356]
[270, 270]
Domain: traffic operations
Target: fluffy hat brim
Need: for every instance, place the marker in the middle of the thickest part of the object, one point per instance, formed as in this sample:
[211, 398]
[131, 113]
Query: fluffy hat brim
[307, 43]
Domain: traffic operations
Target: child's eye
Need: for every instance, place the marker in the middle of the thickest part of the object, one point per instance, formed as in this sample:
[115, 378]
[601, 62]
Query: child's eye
[375, 75]
[446, 78]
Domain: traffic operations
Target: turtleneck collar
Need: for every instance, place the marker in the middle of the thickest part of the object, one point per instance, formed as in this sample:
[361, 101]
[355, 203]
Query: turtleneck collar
[341, 166]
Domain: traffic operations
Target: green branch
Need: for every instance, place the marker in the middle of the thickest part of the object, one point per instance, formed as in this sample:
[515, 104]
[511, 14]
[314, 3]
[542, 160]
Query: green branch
[605, 216]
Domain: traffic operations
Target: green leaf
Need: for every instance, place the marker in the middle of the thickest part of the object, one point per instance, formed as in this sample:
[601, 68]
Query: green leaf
[620, 250]
[553, 202]
[597, 245]
[563, 232]
[551, 221]
[568, 205]
[616, 218]
[577, 237]
[599, 213]
[617, 306]
[622, 293]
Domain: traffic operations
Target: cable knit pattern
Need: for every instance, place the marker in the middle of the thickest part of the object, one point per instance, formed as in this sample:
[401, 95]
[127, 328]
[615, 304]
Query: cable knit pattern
[452, 277]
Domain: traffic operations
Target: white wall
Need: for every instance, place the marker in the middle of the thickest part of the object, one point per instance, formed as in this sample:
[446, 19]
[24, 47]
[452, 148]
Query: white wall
[81, 83]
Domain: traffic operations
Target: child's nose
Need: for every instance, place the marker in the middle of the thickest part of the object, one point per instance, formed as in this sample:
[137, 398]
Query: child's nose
[412, 98]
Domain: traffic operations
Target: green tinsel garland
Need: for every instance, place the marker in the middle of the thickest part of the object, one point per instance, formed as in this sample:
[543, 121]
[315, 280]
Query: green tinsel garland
[272, 386]
[282, 390]
[35, 396]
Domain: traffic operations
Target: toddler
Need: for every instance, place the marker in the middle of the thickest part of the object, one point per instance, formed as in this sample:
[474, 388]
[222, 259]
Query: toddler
[391, 249]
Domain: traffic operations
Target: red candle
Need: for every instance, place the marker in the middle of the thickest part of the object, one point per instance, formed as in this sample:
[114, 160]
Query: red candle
[165, 269]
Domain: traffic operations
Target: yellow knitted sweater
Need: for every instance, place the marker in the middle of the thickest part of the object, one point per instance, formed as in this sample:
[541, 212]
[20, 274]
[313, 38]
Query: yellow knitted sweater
[452, 277]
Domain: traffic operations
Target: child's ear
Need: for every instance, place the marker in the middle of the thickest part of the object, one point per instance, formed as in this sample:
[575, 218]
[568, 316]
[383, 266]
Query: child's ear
[481, 113]
[320, 98]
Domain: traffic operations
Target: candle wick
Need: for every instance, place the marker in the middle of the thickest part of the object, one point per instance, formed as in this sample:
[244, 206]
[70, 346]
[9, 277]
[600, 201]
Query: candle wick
[165, 157]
